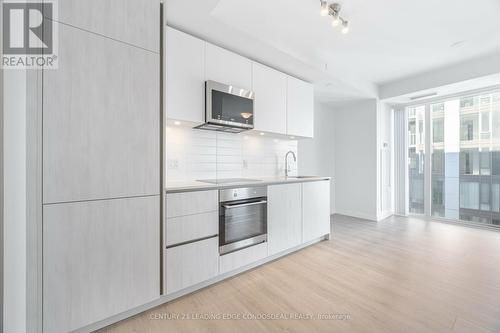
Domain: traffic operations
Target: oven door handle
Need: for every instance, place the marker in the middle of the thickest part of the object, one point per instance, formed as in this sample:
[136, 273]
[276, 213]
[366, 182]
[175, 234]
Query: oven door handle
[245, 204]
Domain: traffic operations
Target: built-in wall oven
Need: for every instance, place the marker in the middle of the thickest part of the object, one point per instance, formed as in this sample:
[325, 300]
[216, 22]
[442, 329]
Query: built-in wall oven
[242, 218]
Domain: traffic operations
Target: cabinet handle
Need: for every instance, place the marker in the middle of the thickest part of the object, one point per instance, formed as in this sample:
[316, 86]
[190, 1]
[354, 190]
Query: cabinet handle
[245, 204]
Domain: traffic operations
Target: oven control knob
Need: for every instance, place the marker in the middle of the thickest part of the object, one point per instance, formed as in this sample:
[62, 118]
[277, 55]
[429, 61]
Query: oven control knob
[235, 194]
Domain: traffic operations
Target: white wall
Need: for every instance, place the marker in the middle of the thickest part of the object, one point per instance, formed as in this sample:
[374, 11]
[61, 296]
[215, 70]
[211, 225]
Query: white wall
[316, 156]
[199, 154]
[356, 175]
[464, 71]
[14, 140]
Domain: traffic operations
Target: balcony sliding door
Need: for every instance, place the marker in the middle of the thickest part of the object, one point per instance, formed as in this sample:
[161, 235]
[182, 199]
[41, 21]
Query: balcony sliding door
[416, 159]
[464, 149]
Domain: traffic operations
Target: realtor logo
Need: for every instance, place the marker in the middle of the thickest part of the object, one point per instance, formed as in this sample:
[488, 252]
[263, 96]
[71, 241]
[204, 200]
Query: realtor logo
[29, 34]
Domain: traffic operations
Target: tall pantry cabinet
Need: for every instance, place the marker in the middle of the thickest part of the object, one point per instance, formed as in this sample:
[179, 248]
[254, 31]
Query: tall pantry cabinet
[101, 163]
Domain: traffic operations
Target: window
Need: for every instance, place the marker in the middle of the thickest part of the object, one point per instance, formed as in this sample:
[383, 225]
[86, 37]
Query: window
[416, 148]
[464, 175]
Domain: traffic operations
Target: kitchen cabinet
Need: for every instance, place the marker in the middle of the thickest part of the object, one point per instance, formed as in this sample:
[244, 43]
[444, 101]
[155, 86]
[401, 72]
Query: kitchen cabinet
[270, 87]
[100, 258]
[187, 203]
[185, 79]
[284, 217]
[191, 227]
[315, 210]
[131, 21]
[300, 108]
[190, 264]
[238, 259]
[101, 114]
[227, 67]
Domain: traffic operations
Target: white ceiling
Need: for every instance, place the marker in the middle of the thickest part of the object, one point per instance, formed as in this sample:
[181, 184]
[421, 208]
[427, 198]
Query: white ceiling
[388, 39]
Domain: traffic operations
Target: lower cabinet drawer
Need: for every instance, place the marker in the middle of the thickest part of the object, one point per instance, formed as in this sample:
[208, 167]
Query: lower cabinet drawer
[241, 258]
[191, 227]
[189, 264]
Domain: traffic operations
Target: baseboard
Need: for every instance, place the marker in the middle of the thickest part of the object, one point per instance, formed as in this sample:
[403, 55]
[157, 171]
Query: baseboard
[359, 215]
[384, 215]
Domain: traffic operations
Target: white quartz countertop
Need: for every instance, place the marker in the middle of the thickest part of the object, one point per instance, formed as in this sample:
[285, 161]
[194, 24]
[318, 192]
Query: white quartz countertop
[187, 186]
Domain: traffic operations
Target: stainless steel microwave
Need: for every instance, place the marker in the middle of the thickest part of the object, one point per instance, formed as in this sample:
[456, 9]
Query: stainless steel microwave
[228, 108]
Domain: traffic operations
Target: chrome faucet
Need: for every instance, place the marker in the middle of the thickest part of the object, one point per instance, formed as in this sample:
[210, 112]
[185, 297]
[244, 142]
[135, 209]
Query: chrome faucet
[287, 167]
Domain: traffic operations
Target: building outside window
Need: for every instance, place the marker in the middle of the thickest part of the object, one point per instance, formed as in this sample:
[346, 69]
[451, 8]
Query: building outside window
[465, 158]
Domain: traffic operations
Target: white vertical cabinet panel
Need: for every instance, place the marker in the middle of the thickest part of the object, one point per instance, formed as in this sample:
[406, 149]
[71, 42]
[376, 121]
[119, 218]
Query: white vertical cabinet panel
[270, 87]
[131, 21]
[315, 209]
[185, 82]
[227, 67]
[100, 258]
[284, 225]
[100, 120]
[189, 264]
[300, 108]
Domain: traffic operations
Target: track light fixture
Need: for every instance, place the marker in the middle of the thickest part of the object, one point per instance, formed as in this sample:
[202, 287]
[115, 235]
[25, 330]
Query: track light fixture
[345, 27]
[334, 11]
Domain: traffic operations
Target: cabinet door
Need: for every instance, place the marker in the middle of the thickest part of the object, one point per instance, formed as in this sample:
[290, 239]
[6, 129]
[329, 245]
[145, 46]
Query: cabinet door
[238, 259]
[188, 203]
[185, 82]
[131, 21]
[227, 67]
[191, 227]
[300, 108]
[100, 258]
[101, 113]
[189, 264]
[284, 225]
[315, 210]
[269, 86]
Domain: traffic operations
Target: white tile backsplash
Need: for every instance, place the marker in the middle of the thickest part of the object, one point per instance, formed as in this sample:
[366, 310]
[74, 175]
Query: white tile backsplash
[198, 154]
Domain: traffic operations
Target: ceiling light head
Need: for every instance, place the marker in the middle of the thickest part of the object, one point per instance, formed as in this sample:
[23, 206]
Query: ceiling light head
[345, 27]
[336, 20]
[324, 8]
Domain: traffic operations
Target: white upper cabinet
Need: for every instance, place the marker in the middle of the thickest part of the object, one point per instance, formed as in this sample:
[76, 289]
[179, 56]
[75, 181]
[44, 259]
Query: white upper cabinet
[185, 83]
[300, 108]
[227, 67]
[283, 104]
[269, 86]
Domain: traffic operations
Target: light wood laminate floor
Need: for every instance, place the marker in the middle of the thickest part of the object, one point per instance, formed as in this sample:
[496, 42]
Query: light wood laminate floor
[398, 275]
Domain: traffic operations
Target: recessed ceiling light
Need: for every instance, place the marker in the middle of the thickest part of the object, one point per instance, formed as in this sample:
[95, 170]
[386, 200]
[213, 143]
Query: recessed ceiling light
[177, 122]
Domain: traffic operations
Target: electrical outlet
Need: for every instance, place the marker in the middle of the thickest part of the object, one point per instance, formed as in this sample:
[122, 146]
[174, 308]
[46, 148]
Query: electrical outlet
[173, 164]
